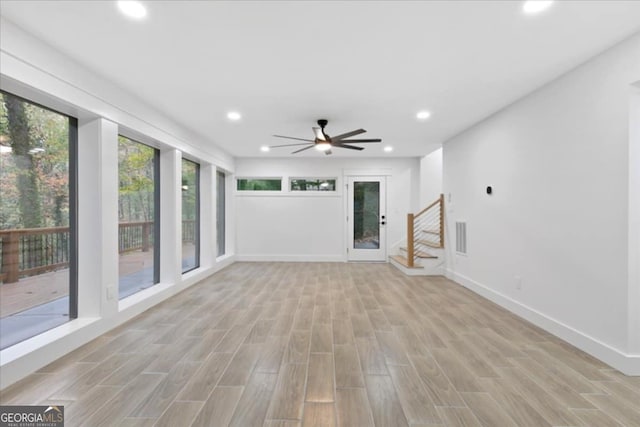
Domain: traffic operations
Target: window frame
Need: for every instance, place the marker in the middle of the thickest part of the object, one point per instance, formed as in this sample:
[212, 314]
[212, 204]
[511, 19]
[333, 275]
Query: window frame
[197, 219]
[73, 201]
[311, 178]
[156, 213]
[258, 178]
[221, 208]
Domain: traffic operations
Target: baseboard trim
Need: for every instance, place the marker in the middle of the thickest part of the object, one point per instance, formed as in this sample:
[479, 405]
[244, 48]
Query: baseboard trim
[290, 258]
[628, 364]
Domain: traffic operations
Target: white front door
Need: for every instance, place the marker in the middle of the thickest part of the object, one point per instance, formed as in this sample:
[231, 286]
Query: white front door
[366, 218]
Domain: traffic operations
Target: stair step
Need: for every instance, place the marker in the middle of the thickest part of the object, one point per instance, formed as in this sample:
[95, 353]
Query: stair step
[428, 243]
[436, 232]
[403, 261]
[420, 254]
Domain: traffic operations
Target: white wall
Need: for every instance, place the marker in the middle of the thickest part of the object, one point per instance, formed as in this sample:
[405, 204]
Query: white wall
[35, 71]
[558, 161]
[312, 227]
[430, 177]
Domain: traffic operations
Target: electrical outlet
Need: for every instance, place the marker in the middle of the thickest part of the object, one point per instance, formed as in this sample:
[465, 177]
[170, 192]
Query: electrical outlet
[111, 292]
[518, 282]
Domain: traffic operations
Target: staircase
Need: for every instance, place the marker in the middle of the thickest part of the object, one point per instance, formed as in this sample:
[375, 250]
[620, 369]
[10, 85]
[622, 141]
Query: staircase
[423, 253]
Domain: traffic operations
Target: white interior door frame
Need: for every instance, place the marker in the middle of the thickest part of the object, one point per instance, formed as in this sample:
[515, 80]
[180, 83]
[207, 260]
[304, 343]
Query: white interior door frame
[371, 248]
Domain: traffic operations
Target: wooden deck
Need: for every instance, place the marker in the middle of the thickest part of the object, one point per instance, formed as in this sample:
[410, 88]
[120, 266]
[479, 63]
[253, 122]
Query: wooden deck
[36, 290]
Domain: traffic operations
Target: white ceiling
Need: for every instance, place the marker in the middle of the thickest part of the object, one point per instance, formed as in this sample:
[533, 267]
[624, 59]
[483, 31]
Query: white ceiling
[284, 65]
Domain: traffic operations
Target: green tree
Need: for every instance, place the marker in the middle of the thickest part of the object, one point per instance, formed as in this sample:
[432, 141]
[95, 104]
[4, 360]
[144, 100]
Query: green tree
[18, 131]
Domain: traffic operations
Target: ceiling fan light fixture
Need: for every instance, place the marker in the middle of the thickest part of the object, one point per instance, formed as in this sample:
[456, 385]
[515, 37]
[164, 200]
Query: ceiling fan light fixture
[264, 149]
[323, 146]
[388, 149]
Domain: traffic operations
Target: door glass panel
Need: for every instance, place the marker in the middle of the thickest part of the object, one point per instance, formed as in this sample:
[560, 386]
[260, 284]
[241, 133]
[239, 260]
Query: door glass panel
[366, 214]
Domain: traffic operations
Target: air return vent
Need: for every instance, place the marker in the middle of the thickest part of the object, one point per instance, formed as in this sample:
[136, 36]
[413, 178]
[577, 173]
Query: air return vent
[461, 237]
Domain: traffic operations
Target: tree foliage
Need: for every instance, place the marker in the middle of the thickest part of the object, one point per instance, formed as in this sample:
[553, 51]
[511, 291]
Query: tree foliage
[34, 164]
[136, 190]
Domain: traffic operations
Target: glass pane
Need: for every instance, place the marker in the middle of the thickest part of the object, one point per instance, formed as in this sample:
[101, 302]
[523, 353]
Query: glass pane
[220, 213]
[311, 184]
[250, 184]
[190, 215]
[366, 213]
[35, 237]
[136, 210]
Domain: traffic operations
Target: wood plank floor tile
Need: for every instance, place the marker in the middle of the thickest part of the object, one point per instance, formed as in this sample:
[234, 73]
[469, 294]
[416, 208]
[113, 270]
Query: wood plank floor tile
[457, 372]
[297, 350]
[219, 407]
[372, 358]
[595, 418]
[347, 366]
[241, 366]
[458, 417]
[353, 408]
[254, 402]
[282, 423]
[486, 409]
[320, 378]
[554, 386]
[616, 409]
[179, 414]
[89, 403]
[540, 399]
[321, 338]
[416, 403]
[319, 415]
[124, 401]
[271, 355]
[437, 384]
[288, 397]
[393, 352]
[515, 404]
[206, 378]
[342, 331]
[160, 397]
[384, 402]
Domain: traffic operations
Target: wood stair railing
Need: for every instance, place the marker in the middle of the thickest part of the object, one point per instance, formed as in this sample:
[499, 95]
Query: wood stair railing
[426, 228]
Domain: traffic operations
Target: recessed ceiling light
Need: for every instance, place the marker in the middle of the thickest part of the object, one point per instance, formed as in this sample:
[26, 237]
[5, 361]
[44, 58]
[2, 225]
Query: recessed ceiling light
[264, 148]
[536, 6]
[423, 115]
[388, 149]
[234, 115]
[132, 9]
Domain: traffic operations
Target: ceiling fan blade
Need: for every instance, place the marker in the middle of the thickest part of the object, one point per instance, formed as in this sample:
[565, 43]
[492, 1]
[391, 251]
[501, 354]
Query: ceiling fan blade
[361, 141]
[291, 137]
[319, 134]
[302, 149]
[290, 145]
[327, 152]
[350, 147]
[348, 134]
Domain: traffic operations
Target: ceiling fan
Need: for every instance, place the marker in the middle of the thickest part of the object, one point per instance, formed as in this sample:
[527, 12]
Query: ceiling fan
[324, 142]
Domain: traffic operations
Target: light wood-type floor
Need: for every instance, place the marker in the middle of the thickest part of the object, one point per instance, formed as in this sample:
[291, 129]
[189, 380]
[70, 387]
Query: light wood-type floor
[290, 344]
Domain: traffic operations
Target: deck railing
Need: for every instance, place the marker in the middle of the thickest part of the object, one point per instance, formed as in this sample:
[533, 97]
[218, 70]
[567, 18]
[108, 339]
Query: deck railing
[32, 251]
